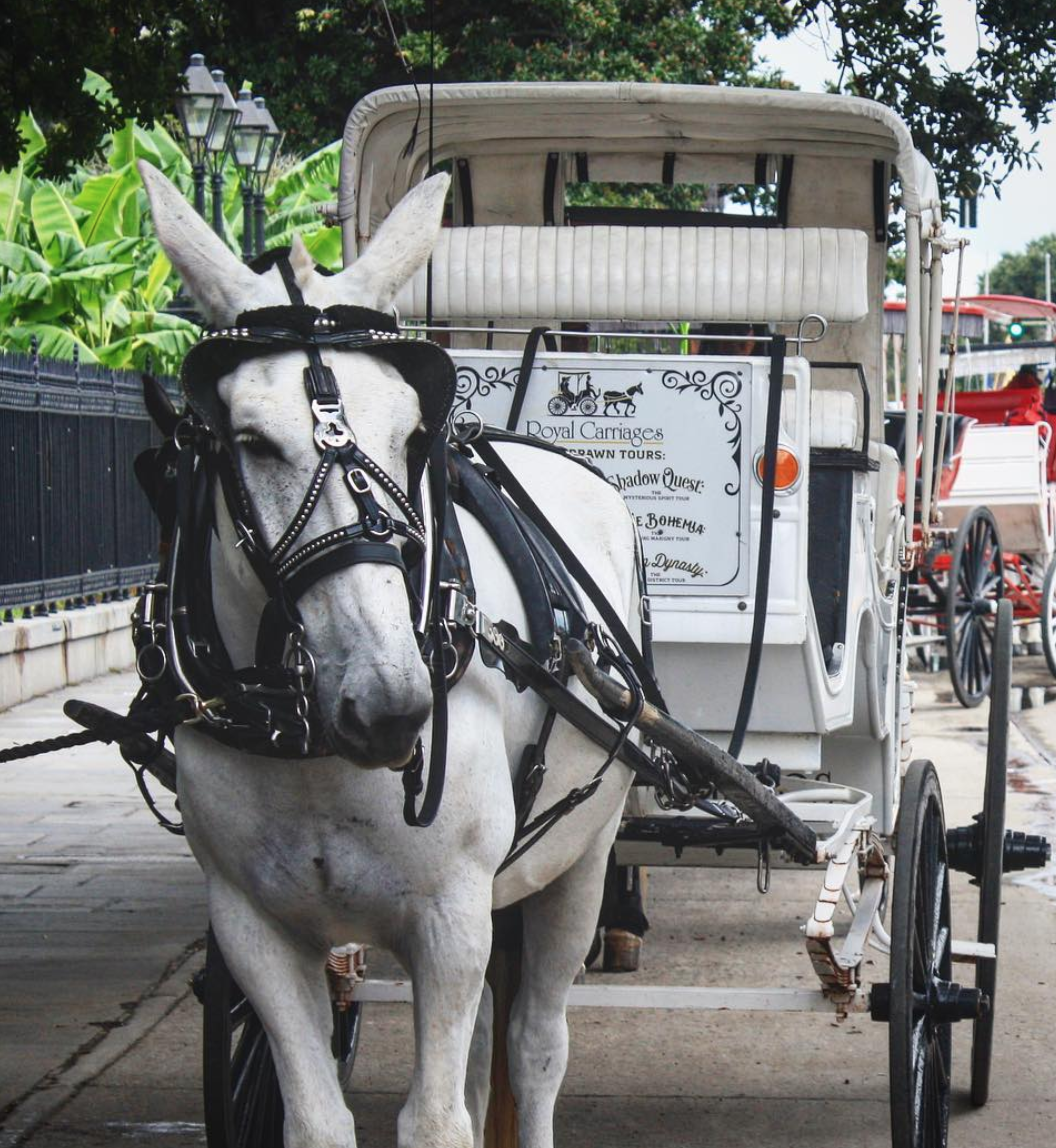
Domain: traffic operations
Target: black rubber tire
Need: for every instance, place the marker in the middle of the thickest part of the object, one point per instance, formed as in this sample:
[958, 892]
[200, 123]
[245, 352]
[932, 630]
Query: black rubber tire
[975, 585]
[242, 1100]
[919, 1047]
[993, 854]
[1048, 616]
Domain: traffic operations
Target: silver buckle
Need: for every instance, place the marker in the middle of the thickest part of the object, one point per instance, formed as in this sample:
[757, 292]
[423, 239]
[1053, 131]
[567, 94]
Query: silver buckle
[358, 480]
[331, 431]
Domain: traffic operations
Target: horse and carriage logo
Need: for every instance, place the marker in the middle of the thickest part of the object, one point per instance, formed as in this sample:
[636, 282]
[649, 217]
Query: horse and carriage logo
[576, 393]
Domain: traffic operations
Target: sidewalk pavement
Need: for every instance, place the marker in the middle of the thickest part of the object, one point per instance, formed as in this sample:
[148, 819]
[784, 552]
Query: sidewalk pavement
[97, 904]
[665, 1079]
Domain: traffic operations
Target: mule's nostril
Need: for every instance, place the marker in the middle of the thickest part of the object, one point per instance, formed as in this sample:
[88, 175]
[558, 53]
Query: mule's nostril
[347, 718]
[385, 738]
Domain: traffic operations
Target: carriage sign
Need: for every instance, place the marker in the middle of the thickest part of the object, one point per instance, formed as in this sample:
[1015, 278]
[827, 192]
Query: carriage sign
[669, 432]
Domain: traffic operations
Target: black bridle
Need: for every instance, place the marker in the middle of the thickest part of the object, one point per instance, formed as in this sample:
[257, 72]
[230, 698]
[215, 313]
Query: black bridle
[269, 707]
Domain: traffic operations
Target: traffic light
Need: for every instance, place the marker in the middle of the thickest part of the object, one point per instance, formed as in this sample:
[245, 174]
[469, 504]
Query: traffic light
[1016, 330]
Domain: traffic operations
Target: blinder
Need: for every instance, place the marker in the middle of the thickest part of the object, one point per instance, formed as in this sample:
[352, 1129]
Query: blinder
[425, 366]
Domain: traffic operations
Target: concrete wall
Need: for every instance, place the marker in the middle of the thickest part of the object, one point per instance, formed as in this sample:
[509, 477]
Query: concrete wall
[38, 655]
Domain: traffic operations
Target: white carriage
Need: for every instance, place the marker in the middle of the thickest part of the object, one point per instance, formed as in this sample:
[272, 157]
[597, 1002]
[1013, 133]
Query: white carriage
[683, 435]
[995, 530]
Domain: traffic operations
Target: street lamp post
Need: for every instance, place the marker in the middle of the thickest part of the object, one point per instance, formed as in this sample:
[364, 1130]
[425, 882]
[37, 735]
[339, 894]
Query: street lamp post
[265, 161]
[224, 120]
[247, 145]
[196, 105]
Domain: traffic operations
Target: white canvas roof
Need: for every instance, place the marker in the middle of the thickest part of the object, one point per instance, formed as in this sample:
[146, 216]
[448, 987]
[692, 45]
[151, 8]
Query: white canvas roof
[384, 155]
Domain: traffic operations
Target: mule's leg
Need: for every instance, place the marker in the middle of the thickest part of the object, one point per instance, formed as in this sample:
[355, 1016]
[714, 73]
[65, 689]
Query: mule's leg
[285, 982]
[478, 1072]
[559, 924]
[447, 950]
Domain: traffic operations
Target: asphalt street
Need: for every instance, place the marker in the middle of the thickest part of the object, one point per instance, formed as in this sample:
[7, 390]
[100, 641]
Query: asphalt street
[103, 913]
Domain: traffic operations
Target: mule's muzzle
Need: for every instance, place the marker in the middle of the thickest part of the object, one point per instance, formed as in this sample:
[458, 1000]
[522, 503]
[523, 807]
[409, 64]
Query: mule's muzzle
[387, 740]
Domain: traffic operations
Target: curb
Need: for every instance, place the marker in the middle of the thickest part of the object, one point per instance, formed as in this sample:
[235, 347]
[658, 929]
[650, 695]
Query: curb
[63, 1084]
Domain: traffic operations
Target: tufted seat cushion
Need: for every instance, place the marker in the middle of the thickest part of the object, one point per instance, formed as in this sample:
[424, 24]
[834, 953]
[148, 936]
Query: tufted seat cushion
[722, 274]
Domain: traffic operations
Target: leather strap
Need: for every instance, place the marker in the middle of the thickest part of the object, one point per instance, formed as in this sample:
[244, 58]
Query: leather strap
[614, 623]
[524, 376]
[766, 539]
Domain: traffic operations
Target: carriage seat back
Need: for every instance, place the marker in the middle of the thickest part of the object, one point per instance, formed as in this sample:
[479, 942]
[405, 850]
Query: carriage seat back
[730, 274]
[1012, 407]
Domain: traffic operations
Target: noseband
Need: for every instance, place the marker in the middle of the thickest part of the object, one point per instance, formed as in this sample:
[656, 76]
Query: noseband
[269, 707]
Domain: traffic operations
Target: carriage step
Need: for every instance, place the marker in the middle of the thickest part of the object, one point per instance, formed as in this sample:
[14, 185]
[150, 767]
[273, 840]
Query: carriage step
[964, 848]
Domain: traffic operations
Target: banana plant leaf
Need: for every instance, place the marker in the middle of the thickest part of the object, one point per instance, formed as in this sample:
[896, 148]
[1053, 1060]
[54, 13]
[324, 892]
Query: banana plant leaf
[131, 143]
[324, 246]
[52, 342]
[13, 191]
[54, 215]
[103, 198]
[18, 257]
[33, 140]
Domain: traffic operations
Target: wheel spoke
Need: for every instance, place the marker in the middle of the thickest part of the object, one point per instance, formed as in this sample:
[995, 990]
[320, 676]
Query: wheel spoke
[918, 1077]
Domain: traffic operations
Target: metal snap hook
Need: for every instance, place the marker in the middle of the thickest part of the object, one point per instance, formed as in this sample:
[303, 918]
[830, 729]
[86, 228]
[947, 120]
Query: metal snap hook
[762, 867]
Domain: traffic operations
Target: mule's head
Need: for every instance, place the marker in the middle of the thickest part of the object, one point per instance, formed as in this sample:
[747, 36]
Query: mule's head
[372, 687]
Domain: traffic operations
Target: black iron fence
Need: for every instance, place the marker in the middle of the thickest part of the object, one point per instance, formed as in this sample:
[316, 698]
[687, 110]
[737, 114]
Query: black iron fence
[75, 526]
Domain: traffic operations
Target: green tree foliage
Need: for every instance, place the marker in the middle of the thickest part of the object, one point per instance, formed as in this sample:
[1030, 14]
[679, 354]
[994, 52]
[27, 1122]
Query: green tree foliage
[314, 63]
[893, 51]
[45, 47]
[1023, 272]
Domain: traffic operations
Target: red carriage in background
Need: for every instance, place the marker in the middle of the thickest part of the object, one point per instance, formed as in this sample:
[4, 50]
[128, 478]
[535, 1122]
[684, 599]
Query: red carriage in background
[996, 531]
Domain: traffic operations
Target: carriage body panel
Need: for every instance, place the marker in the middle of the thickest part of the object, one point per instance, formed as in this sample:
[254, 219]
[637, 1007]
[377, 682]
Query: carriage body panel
[518, 255]
[1006, 469]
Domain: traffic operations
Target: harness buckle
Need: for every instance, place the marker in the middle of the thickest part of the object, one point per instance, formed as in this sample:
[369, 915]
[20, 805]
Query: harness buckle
[245, 537]
[358, 480]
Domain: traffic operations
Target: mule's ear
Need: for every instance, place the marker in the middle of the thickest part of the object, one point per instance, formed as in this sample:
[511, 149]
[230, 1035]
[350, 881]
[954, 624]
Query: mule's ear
[220, 283]
[403, 243]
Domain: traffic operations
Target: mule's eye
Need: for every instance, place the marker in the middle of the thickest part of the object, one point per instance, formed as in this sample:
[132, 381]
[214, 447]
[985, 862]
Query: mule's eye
[256, 444]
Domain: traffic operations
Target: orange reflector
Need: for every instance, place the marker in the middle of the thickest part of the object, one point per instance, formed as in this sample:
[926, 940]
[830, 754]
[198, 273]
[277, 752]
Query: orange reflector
[786, 469]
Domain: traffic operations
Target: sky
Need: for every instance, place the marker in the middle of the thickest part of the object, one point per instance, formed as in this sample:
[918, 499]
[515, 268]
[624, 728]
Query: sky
[1027, 207]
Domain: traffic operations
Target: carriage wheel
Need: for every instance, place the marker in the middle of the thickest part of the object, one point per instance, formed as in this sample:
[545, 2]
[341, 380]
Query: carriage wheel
[1048, 616]
[975, 583]
[920, 1002]
[991, 829]
[243, 1104]
[920, 1042]
[557, 405]
[587, 407]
